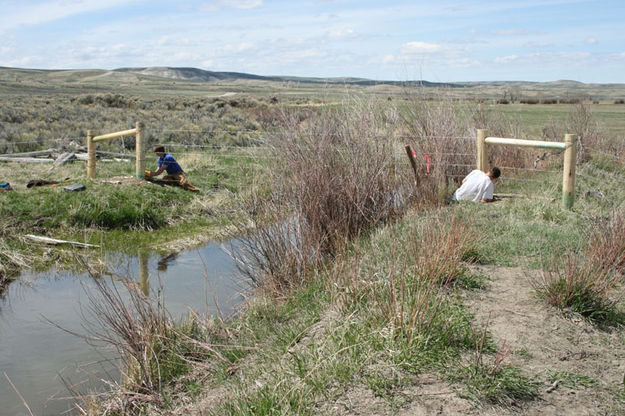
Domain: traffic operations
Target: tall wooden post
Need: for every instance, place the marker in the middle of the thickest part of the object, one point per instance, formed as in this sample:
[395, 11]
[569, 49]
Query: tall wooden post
[413, 163]
[140, 151]
[90, 154]
[568, 178]
[482, 152]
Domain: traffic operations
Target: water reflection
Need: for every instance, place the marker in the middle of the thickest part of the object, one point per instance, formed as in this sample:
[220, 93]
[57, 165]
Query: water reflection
[37, 356]
[144, 274]
[164, 261]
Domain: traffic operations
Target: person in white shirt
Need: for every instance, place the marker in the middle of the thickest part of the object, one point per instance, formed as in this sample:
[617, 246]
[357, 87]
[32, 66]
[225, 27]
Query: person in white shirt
[477, 186]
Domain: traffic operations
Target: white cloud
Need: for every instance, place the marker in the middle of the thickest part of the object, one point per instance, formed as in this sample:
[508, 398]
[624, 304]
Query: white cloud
[238, 47]
[341, 33]
[592, 41]
[420, 47]
[618, 58]
[514, 32]
[506, 59]
[235, 4]
[242, 4]
[548, 58]
[32, 14]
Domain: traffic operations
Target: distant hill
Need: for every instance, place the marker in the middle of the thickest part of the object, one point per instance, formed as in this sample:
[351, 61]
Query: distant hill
[194, 82]
[201, 75]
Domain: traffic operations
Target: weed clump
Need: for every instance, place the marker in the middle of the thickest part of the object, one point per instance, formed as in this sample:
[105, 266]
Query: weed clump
[334, 180]
[585, 284]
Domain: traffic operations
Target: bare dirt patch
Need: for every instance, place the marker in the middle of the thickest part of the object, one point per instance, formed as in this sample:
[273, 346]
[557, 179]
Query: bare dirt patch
[580, 366]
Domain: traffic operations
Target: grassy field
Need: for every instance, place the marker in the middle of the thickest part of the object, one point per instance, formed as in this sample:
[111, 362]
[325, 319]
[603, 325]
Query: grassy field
[439, 310]
[366, 304]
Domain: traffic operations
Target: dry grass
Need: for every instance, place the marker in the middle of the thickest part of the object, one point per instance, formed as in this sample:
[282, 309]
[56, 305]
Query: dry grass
[585, 283]
[334, 179]
[10, 262]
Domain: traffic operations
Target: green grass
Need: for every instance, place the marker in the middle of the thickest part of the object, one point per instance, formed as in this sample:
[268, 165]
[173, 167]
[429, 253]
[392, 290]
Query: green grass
[319, 360]
[570, 379]
[503, 386]
[375, 318]
[385, 358]
[132, 215]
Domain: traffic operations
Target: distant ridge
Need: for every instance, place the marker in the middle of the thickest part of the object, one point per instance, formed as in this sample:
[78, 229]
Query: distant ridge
[193, 81]
[201, 75]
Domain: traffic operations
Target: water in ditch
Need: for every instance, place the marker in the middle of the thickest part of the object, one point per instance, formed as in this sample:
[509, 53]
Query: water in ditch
[39, 357]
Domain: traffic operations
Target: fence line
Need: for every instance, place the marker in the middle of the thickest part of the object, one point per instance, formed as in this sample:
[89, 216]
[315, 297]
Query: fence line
[416, 136]
[530, 169]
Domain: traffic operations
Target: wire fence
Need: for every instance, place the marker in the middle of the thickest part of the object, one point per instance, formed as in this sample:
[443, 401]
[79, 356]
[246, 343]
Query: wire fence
[261, 151]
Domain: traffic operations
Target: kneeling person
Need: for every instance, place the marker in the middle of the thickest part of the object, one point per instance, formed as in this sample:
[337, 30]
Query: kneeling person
[477, 186]
[166, 162]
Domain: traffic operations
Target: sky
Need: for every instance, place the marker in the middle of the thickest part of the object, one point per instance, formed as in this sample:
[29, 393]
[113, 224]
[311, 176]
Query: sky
[433, 40]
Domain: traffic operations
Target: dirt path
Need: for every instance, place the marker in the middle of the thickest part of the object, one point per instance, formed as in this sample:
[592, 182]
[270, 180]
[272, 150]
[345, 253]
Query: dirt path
[588, 362]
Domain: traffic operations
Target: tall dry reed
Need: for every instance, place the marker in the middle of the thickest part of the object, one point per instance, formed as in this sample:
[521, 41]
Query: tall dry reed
[335, 177]
[439, 130]
[404, 289]
[154, 351]
[585, 282]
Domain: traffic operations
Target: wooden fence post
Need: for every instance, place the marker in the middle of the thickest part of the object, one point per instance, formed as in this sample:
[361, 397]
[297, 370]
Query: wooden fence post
[90, 154]
[140, 151]
[482, 153]
[568, 177]
[413, 163]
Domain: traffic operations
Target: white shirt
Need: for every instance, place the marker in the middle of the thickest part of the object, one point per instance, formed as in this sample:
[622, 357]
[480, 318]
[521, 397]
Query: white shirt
[475, 187]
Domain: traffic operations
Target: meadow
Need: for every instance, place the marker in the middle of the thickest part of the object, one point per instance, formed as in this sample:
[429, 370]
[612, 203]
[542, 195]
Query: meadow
[365, 303]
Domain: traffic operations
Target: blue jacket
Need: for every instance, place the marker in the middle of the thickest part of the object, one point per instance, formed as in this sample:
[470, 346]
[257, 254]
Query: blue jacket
[171, 166]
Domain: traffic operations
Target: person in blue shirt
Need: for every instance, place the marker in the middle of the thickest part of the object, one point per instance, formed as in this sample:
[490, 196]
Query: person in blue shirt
[167, 163]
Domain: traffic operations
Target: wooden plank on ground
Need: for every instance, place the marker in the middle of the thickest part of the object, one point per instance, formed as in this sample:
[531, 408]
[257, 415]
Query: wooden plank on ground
[25, 159]
[54, 241]
[64, 158]
[113, 154]
[30, 154]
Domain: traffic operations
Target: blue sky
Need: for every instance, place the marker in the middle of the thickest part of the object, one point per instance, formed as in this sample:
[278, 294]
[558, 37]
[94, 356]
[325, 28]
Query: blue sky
[435, 40]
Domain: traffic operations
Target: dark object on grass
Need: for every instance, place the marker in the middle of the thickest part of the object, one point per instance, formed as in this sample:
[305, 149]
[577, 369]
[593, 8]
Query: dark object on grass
[39, 182]
[43, 182]
[75, 187]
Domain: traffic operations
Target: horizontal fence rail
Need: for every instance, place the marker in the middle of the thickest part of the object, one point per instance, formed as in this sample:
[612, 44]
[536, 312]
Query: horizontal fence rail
[525, 143]
[92, 139]
[570, 153]
[110, 136]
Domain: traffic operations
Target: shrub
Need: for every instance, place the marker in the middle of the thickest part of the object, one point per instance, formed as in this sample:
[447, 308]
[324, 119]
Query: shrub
[571, 100]
[529, 101]
[581, 122]
[549, 101]
[333, 179]
[442, 130]
[579, 286]
[585, 283]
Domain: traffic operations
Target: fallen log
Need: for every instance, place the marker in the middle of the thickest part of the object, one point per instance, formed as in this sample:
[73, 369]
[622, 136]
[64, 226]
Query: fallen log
[113, 154]
[64, 158]
[25, 159]
[48, 240]
[30, 154]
